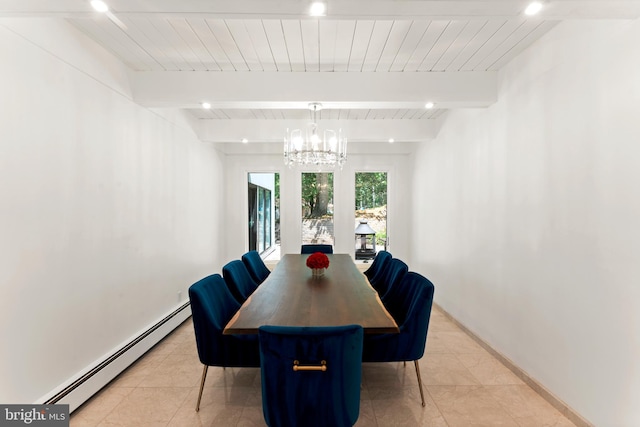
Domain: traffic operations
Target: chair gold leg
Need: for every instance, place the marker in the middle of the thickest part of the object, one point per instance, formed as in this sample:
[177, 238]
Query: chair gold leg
[204, 377]
[419, 381]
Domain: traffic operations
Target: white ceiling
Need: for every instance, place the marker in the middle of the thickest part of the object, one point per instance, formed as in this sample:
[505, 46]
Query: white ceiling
[372, 63]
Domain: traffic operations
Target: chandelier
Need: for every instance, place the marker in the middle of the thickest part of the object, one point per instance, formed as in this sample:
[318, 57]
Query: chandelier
[309, 148]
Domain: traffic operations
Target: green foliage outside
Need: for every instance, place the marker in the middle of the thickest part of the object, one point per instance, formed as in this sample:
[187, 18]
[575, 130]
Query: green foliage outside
[317, 194]
[276, 192]
[371, 202]
[370, 195]
[381, 238]
[371, 190]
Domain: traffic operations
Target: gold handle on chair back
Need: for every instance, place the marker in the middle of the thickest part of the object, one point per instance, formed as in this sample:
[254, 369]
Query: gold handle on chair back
[322, 367]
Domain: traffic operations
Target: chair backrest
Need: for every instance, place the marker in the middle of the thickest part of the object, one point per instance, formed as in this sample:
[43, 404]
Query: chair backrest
[305, 397]
[212, 306]
[378, 264]
[238, 279]
[410, 305]
[258, 270]
[393, 272]
[313, 248]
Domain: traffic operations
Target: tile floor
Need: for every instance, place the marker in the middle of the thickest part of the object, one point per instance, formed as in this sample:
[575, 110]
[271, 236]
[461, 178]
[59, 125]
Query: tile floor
[464, 386]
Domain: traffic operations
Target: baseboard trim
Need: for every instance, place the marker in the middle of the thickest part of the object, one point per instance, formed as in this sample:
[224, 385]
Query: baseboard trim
[89, 383]
[556, 402]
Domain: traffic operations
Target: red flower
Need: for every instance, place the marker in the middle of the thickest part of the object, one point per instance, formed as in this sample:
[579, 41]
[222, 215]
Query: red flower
[318, 260]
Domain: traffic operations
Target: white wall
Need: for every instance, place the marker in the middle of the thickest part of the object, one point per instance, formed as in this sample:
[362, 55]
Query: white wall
[531, 211]
[109, 210]
[399, 182]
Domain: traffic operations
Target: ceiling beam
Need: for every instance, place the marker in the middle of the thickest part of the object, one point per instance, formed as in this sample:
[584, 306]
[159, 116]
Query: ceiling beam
[369, 149]
[291, 90]
[256, 130]
[337, 9]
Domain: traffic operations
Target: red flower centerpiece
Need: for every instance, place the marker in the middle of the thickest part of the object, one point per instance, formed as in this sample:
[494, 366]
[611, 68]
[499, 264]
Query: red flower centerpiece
[317, 262]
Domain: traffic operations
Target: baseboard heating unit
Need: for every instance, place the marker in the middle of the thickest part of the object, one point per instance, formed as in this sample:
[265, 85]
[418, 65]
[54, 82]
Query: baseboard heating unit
[81, 389]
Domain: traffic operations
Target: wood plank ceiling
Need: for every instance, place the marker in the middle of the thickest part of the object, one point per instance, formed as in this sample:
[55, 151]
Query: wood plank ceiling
[168, 43]
[430, 43]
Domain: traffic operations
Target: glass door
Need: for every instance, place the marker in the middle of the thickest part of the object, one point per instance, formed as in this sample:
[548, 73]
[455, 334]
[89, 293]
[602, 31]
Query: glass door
[317, 208]
[262, 221]
[370, 214]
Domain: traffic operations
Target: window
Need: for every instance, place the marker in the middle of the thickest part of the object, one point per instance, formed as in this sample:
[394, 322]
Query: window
[317, 208]
[370, 212]
[262, 203]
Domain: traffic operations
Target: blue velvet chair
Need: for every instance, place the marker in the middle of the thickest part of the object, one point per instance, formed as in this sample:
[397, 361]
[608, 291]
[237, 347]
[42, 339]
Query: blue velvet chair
[378, 264]
[239, 280]
[310, 249]
[410, 304]
[258, 270]
[311, 376]
[212, 306]
[391, 274]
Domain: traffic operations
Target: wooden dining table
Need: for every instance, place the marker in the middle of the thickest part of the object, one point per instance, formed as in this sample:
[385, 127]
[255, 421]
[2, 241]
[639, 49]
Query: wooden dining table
[290, 296]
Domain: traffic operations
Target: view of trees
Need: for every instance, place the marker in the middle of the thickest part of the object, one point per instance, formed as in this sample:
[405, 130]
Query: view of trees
[317, 194]
[317, 203]
[371, 190]
[371, 202]
[277, 206]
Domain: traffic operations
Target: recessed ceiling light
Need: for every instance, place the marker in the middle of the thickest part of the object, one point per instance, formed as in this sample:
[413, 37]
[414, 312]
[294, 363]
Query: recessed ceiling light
[100, 6]
[318, 8]
[533, 8]
[391, 140]
[429, 105]
[206, 105]
[245, 140]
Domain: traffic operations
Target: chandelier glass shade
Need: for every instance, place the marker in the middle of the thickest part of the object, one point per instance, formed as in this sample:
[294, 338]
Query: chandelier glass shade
[311, 146]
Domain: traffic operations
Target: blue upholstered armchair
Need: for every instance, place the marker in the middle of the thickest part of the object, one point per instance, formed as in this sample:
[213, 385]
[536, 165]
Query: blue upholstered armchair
[239, 280]
[391, 274]
[258, 270]
[379, 262]
[310, 249]
[409, 302]
[311, 375]
[212, 306]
